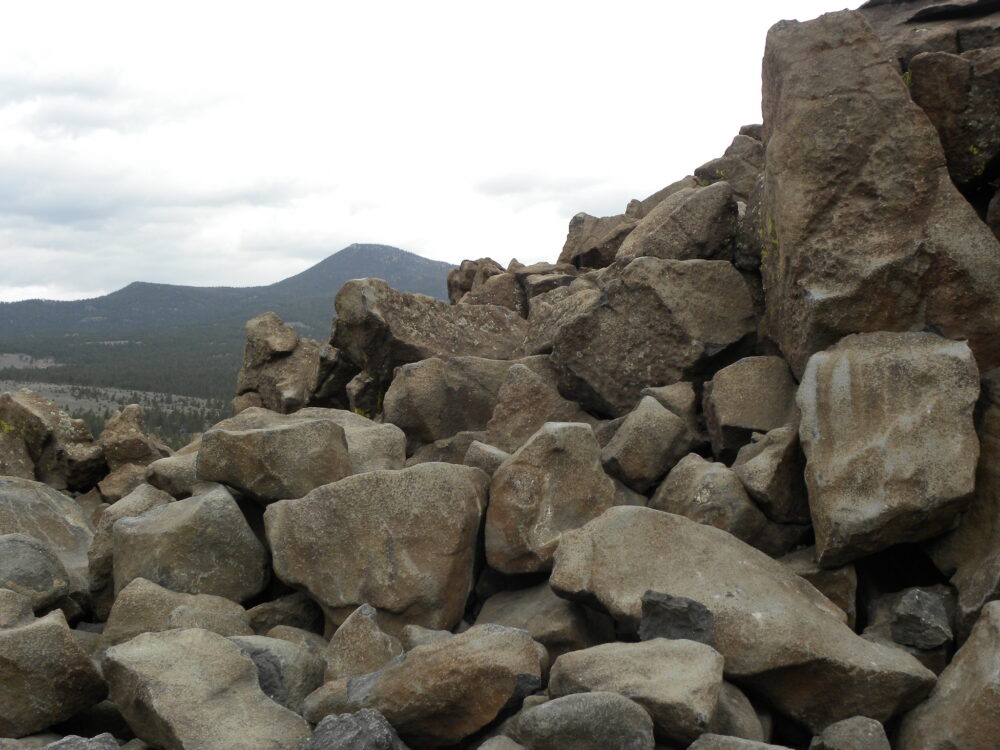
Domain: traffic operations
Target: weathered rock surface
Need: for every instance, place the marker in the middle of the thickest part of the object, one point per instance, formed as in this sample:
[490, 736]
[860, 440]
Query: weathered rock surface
[558, 624]
[740, 166]
[486, 457]
[359, 646]
[280, 369]
[296, 610]
[659, 321]
[666, 616]
[30, 568]
[470, 275]
[676, 681]
[450, 450]
[778, 635]
[756, 394]
[648, 443]
[403, 541]
[859, 733]
[710, 741]
[593, 242]
[366, 729]
[45, 677]
[503, 290]
[920, 619]
[200, 545]
[771, 467]
[839, 585]
[584, 721]
[864, 230]
[125, 441]
[736, 716]
[14, 458]
[272, 456]
[549, 312]
[436, 695]
[287, 673]
[890, 444]
[551, 484]
[963, 710]
[371, 445]
[195, 689]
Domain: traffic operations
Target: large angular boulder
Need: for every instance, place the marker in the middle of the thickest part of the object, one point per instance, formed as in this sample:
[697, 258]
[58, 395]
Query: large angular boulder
[403, 541]
[691, 223]
[286, 672]
[583, 721]
[125, 441]
[359, 646]
[659, 321]
[863, 228]
[371, 445]
[592, 242]
[46, 676]
[436, 695]
[858, 733]
[272, 456]
[192, 688]
[677, 681]
[380, 329]
[503, 290]
[14, 458]
[839, 585]
[470, 275]
[964, 709]
[779, 636]
[740, 166]
[889, 440]
[553, 483]
[549, 312]
[647, 444]
[201, 545]
[772, 468]
[30, 567]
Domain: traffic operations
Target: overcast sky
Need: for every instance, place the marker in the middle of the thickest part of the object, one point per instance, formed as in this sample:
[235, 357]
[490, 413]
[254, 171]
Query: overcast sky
[216, 143]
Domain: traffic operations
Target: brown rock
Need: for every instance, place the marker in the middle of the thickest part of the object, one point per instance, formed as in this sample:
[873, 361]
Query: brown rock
[470, 275]
[771, 467]
[296, 610]
[125, 441]
[640, 209]
[839, 585]
[592, 242]
[549, 312]
[371, 445]
[503, 290]
[648, 443]
[582, 721]
[14, 458]
[359, 646]
[450, 450]
[121, 482]
[30, 568]
[286, 673]
[740, 166]
[485, 457]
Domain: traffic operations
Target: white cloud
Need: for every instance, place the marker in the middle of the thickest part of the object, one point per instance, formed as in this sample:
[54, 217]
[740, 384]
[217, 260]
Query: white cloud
[238, 143]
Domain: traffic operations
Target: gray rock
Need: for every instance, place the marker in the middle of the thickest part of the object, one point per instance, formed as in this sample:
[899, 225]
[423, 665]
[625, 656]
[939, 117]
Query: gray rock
[771, 467]
[740, 166]
[366, 729]
[449, 450]
[14, 458]
[647, 444]
[721, 742]
[549, 312]
[857, 733]
[371, 445]
[502, 290]
[485, 457]
[919, 619]
[666, 616]
[287, 673]
[735, 716]
[679, 398]
[584, 721]
[470, 275]
[593, 242]
[30, 567]
[125, 441]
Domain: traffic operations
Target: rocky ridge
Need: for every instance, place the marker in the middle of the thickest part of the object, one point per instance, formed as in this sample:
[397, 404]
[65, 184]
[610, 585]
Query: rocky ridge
[724, 475]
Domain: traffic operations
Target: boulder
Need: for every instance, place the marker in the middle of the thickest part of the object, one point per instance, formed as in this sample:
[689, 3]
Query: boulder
[503, 290]
[125, 441]
[308, 640]
[287, 673]
[676, 681]
[370, 445]
[964, 709]
[593, 242]
[772, 469]
[858, 733]
[201, 545]
[379, 329]
[14, 458]
[403, 541]
[359, 646]
[647, 444]
[677, 617]
[756, 394]
[691, 223]
[279, 368]
[736, 716]
[551, 484]
[30, 567]
[272, 456]
[15, 609]
[659, 321]
[485, 457]
[145, 607]
[192, 688]
[864, 230]
[584, 721]
[550, 311]
[710, 741]
[449, 450]
[889, 440]
[558, 624]
[296, 610]
[681, 399]
[121, 482]
[412, 636]
[640, 209]
[740, 166]
[470, 275]
[920, 619]
[779, 636]
[839, 585]
[177, 475]
[62, 449]
[105, 741]
[46, 677]
[525, 402]
[366, 729]
[437, 695]
[39, 511]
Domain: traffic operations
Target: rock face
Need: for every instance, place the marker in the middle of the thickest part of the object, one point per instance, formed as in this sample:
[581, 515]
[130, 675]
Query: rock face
[553, 483]
[740, 166]
[273, 457]
[584, 721]
[192, 688]
[287, 673]
[963, 710]
[660, 321]
[470, 275]
[32, 569]
[438, 694]
[889, 440]
[776, 632]
[593, 242]
[359, 646]
[201, 545]
[649, 442]
[676, 681]
[45, 677]
[125, 441]
[402, 541]
[371, 445]
[366, 729]
[771, 467]
[863, 228]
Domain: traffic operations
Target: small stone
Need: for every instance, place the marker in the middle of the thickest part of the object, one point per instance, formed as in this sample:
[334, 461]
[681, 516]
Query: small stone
[366, 729]
[857, 733]
[920, 619]
[584, 721]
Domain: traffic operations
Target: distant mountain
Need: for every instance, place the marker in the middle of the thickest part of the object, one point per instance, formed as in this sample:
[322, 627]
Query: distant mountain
[188, 339]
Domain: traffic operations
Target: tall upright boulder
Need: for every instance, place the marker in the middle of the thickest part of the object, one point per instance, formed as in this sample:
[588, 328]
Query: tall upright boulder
[863, 228]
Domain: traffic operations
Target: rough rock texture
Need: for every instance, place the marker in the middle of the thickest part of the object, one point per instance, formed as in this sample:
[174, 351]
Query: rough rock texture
[740, 166]
[551, 484]
[864, 230]
[296, 610]
[201, 545]
[839, 585]
[710, 741]
[121, 481]
[450, 450]
[778, 635]
[771, 467]
[964, 709]
[676, 681]
[366, 729]
[271, 456]
[30, 567]
[280, 369]
[756, 394]
[558, 624]
[647, 444]
[890, 444]
[14, 458]
[145, 607]
[195, 689]
[593, 242]
[124, 440]
[45, 677]
[858, 733]
[549, 312]
[920, 619]
[691, 223]
[104, 741]
[402, 541]
[380, 329]
[371, 445]
[659, 321]
[736, 716]
[287, 673]
[359, 646]
[470, 275]
[438, 694]
[485, 457]
[666, 616]
[584, 721]
[503, 290]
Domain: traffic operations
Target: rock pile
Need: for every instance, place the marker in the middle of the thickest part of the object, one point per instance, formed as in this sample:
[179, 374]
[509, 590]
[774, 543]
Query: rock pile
[724, 476]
